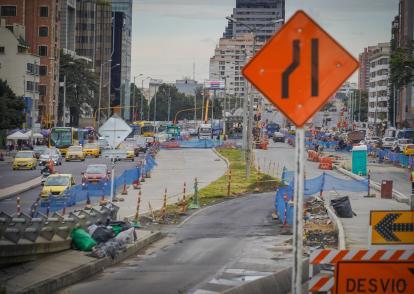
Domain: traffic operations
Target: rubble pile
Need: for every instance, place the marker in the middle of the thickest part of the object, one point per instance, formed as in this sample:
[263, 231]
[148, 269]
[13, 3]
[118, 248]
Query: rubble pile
[319, 231]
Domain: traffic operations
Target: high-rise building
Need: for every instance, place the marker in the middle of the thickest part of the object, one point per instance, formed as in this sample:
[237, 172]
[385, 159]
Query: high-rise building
[20, 68]
[94, 39]
[363, 72]
[121, 75]
[378, 94]
[68, 26]
[258, 14]
[42, 29]
[403, 36]
[229, 58]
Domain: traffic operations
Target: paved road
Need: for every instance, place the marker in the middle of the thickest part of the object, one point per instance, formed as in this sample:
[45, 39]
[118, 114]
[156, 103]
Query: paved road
[9, 177]
[214, 250]
[73, 167]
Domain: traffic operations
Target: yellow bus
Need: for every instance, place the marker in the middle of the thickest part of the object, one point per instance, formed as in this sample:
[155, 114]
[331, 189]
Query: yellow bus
[147, 129]
[64, 137]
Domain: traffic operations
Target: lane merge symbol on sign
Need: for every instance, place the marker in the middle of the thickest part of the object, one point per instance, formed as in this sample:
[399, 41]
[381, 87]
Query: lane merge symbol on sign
[295, 63]
[300, 68]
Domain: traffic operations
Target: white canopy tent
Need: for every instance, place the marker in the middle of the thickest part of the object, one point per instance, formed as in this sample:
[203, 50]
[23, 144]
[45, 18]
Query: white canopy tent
[35, 135]
[18, 136]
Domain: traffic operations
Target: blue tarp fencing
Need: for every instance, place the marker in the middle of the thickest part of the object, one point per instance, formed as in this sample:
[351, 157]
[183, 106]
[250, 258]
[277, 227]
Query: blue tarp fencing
[396, 158]
[200, 143]
[81, 193]
[322, 183]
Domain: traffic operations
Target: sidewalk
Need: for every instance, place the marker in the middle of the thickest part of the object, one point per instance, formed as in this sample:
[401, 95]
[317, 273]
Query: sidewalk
[19, 188]
[174, 167]
[60, 270]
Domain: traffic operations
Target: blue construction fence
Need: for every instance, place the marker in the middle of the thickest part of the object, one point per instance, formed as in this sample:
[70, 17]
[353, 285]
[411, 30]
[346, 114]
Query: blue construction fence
[324, 182]
[193, 143]
[82, 192]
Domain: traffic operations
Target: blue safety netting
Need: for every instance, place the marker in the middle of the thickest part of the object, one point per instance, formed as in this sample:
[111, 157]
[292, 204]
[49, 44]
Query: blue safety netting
[82, 192]
[194, 143]
[320, 184]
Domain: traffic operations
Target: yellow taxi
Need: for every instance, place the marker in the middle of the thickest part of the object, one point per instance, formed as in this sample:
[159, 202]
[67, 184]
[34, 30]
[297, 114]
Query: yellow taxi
[130, 154]
[75, 153]
[91, 149]
[25, 159]
[408, 149]
[57, 184]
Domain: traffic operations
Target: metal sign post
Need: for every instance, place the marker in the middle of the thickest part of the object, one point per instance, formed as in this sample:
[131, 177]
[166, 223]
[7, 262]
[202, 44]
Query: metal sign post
[298, 211]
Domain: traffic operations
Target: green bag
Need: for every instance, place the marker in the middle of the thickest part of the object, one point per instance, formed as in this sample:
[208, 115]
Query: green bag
[81, 240]
[116, 229]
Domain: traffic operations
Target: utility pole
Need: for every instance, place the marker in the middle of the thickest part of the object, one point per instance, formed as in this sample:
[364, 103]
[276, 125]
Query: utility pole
[64, 100]
[169, 105]
[142, 100]
[133, 102]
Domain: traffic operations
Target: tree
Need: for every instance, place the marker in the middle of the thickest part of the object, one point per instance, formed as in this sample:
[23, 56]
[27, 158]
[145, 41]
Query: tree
[82, 84]
[11, 108]
[139, 96]
[402, 66]
[181, 105]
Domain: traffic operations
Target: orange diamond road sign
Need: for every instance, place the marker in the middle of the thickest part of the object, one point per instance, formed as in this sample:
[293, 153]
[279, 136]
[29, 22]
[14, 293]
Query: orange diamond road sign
[392, 227]
[300, 68]
[374, 277]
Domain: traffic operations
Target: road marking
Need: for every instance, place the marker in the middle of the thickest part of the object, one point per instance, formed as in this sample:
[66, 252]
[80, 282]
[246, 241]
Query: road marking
[225, 282]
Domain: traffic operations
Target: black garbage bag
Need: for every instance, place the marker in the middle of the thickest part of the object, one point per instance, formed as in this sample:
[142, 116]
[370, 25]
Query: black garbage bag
[342, 207]
[103, 234]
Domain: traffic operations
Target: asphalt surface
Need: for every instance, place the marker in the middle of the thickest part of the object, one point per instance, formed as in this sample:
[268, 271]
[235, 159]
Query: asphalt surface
[73, 167]
[207, 253]
[9, 177]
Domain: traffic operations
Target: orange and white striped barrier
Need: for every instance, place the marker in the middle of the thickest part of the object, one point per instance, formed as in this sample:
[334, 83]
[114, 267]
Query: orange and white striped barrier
[324, 282]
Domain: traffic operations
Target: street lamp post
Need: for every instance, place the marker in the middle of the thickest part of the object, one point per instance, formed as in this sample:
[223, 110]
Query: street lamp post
[109, 89]
[100, 90]
[248, 102]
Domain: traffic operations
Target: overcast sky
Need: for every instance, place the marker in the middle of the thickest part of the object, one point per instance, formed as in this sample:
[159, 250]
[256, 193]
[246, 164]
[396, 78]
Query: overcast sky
[169, 36]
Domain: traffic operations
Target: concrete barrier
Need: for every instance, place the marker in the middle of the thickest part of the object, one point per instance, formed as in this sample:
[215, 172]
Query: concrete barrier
[398, 196]
[277, 283]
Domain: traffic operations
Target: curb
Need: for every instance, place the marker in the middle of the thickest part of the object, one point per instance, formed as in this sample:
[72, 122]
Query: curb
[276, 283]
[23, 189]
[222, 157]
[84, 271]
[396, 195]
[339, 227]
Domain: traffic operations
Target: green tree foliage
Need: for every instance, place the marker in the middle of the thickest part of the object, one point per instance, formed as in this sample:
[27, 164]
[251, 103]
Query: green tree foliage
[11, 108]
[359, 106]
[138, 98]
[402, 65]
[181, 105]
[82, 83]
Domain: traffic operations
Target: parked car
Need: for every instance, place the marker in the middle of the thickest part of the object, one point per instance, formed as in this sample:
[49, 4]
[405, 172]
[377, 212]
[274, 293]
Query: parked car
[95, 173]
[387, 142]
[51, 153]
[75, 153]
[408, 149]
[398, 145]
[278, 137]
[39, 149]
[25, 159]
[57, 184]
[103, 143]
[91, 149]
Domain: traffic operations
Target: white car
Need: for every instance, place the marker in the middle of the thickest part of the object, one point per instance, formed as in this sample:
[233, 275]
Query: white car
[387, 142]
[398, 145]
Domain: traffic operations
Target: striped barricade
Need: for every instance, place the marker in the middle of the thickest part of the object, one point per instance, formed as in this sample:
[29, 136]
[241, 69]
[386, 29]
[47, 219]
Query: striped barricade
[324, 280]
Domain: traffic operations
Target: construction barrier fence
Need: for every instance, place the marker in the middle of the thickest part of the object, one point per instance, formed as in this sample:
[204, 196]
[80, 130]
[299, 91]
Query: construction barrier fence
[320, 184]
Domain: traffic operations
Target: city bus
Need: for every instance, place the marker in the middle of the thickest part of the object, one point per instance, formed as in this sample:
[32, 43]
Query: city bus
[147, 128]
[62, 138]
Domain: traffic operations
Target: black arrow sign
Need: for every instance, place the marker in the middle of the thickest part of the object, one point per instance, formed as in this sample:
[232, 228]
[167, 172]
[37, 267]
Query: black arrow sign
[387, 226]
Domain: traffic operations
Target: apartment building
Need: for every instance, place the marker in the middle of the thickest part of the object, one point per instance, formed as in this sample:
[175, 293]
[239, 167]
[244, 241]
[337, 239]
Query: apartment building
[20, 69]
[378, 93]
[42, 31]
[262, 15]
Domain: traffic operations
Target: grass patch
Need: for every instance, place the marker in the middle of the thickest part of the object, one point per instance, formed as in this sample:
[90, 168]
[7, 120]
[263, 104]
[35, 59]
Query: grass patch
[258, 182]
